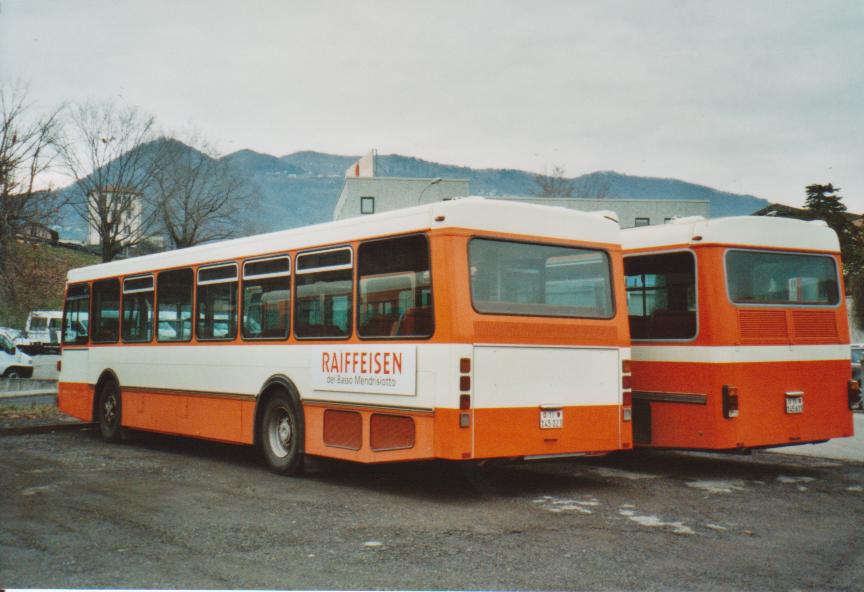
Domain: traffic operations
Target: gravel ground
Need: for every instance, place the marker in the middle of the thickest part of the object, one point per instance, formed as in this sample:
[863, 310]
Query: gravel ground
[170, 512]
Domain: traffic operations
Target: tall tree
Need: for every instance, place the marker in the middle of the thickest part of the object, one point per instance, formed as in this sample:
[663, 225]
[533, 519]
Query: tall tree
[554, 184]
[26, 154]
[109, 152]
[824, 203]
[197, 196]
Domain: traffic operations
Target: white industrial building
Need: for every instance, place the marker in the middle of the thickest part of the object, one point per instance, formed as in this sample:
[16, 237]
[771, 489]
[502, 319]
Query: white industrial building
[364, 193]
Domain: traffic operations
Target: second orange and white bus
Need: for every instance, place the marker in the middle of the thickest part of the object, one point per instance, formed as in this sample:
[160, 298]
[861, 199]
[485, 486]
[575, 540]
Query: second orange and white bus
[740, 334]
[461, 330]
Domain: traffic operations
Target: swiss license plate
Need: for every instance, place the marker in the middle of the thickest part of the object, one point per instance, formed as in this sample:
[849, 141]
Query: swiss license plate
[794, 404]
[551, 418]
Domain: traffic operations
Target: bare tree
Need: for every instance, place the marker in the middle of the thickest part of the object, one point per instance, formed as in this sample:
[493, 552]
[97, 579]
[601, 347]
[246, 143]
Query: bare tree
[198, 196]
[554, 184]
[26, 155]
[109, 152]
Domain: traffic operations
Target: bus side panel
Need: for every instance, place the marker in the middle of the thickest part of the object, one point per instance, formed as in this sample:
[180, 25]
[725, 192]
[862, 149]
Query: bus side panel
[75, 391]
[212, 418]
[75, 399]
[335, 441]
[762, 388]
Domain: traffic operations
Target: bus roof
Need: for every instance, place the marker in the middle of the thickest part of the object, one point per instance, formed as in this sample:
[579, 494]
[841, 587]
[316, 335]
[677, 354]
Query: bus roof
[744, 231]
[469, 212]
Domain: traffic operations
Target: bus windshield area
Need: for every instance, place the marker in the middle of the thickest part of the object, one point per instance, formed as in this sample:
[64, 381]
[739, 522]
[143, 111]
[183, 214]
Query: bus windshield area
[517, 278]
[761, 277]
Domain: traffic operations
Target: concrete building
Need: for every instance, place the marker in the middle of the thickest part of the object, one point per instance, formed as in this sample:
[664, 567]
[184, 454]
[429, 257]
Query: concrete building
[373, 195]
[364, 193]
[125, 207]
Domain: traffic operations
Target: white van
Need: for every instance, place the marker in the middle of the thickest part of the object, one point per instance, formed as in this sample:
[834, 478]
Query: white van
[13, 362]
[44, 326]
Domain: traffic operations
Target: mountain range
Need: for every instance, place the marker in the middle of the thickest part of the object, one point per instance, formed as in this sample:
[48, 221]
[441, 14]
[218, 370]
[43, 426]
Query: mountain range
[302, 188]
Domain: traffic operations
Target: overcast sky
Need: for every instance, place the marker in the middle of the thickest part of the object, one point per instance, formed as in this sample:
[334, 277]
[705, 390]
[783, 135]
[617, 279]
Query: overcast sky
[751, 97]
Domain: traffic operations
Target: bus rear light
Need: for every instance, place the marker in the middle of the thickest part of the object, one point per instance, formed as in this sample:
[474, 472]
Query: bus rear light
[464, 365]
[59, 365]
[627, 406]
[854, 393]
[625, 382]
[464, 383]
[464, 402]
[464, 419]
[625, 366]
[730, 401]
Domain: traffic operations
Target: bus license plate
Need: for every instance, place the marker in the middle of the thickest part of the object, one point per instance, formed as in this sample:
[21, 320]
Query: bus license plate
[794, 404]
[551, 418]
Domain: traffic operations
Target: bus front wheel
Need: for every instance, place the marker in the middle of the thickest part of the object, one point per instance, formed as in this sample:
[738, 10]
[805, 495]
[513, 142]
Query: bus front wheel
[282, 434]
[108, 412]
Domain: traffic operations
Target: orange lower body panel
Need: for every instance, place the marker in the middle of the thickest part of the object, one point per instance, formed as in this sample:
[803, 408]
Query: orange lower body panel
[220, 418]
[762, 391]
[75, 399]
[370, 435]
[517, 432]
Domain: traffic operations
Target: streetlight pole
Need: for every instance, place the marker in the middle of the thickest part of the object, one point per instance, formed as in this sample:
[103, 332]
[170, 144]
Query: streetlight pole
[434, 181]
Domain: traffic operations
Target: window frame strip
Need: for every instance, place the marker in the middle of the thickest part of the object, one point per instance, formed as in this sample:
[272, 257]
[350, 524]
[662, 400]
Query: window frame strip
[227, 280]
[349, 265]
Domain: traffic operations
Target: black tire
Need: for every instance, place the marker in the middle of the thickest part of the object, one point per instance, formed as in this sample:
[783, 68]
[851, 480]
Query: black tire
[281, 434]
[108, 412]
[13, 373]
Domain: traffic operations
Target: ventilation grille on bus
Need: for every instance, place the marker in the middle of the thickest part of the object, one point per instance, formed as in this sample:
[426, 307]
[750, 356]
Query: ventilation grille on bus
[391, 432]
[762, 324]
[343, 429]
[814, 324]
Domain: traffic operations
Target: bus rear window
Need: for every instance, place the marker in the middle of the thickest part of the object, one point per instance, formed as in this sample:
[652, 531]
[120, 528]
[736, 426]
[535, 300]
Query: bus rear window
[762, 277]
[539, 280]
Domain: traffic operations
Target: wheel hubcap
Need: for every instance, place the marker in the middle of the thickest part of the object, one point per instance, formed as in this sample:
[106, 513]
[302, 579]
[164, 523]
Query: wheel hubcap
[109, 409]
[280, 432]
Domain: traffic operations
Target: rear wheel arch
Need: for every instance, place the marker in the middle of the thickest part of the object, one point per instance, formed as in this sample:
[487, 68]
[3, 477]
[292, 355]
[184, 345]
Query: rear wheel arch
[280, 426]
[275, 384]
[108, 407]
[104, 378]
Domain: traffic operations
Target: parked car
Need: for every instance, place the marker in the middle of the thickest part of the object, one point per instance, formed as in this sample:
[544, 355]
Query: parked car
[14, 363]
[857, 359]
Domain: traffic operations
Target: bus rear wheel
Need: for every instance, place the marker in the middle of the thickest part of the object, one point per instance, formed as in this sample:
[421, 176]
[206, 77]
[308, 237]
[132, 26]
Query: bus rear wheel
[108, 412]
[281, 434]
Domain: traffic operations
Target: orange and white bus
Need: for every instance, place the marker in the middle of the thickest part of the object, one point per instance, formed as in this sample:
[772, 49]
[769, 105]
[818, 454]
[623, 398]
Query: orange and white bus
[739, 331]
[468, 329]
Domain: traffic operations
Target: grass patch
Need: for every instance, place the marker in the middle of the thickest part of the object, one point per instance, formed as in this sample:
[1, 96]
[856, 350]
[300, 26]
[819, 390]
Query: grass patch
[7, 412]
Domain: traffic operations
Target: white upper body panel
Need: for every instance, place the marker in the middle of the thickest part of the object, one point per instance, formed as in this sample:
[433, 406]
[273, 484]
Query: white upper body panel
[747, 231]
[471, 212]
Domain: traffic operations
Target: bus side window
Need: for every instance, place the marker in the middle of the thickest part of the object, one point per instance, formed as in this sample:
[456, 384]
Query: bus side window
[174, 302]
[106, 311]
[217, 302]
[76, 315]
[395, 288]
[138, 309]
[266, 298]
[324, 293]
[661, 295]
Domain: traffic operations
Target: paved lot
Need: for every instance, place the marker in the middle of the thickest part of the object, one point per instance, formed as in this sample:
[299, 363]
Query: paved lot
[168, 512]
[839, 449]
